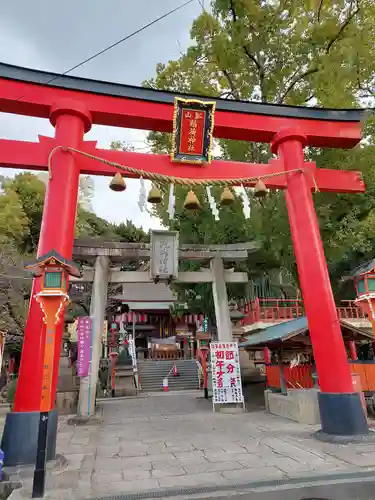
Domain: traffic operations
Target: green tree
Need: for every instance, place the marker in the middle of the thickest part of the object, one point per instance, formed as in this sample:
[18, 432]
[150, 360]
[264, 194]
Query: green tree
[14, 224]
[21, 210]
[14, 287]
[30, 193]
[298, 52]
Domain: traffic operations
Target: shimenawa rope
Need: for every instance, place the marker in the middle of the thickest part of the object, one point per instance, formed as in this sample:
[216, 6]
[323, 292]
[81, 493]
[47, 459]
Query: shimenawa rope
[172, 179]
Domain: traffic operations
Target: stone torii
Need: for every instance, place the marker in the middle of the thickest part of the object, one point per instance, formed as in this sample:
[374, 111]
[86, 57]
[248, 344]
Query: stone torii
[103, 254]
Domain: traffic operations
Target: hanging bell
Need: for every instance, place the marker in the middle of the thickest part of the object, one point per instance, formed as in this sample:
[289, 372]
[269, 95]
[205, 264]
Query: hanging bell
[117, 183]
[191, 201]
[227, 197]
[260, 190]
[154, 196]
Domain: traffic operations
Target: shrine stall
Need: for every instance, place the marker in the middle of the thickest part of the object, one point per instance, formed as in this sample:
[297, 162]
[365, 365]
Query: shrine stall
[292, 386]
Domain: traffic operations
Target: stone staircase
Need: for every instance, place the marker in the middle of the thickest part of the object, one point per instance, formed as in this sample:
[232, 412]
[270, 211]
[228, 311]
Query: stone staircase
[152, 373]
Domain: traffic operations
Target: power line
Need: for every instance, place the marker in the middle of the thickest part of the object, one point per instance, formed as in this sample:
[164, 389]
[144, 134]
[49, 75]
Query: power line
[127, 37]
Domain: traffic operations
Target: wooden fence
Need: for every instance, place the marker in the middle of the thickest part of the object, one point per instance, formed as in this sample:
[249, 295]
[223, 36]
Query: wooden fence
[300, 377]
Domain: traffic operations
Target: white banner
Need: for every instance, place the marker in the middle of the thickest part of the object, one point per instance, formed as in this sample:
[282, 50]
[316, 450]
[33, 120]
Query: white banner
[226, 373]
[131, 349]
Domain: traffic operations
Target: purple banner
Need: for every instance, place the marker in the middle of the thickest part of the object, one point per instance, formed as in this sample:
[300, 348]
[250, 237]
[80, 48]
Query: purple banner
[84, 329]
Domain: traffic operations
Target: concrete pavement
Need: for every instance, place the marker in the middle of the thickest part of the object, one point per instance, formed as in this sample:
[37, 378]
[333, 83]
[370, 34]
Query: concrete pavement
[172, 442]
[331, 490]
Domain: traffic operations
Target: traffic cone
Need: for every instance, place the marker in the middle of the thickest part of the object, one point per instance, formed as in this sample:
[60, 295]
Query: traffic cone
[175, 371]
[165, 384]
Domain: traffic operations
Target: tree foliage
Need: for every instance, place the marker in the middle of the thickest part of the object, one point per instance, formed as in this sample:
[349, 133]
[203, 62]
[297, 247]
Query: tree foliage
[295, 52]
[21, 211]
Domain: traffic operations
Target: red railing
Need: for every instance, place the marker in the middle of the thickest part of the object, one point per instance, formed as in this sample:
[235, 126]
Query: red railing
[348, 310]
[298, 377]
[277, 310]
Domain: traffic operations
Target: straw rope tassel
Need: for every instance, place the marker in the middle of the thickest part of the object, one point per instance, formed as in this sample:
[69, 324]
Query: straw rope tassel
[171, 203]
[246, 203]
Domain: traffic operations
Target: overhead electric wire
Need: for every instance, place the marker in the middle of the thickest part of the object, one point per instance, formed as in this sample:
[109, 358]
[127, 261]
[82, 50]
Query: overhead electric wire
[127, 37]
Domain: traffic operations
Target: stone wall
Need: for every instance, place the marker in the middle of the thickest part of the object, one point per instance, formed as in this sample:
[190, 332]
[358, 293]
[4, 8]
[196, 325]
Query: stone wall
[300, 405]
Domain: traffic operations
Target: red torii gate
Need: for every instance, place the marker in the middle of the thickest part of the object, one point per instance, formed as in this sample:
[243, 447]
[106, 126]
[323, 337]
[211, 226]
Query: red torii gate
[73, 105]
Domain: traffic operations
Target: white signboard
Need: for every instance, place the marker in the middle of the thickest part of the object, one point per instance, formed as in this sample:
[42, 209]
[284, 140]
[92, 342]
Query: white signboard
[131, 349]
[164, 254]
[226, 373]
[105, 332]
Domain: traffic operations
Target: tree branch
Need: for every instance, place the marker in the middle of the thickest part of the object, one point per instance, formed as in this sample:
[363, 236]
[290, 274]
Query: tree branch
[294, 82]
[319, 10]
[247, 51]
[315, 69]
[361, 87]
[251, 56]
[233, 89]
[365, 88]
[311, 96]
[342, 28]
[14, 316]
[234, 15]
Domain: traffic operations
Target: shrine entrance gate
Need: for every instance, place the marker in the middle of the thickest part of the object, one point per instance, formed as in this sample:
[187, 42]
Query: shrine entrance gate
[72, 105]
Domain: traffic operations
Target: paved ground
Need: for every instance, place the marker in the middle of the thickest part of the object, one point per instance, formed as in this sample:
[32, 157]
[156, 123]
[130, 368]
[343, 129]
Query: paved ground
[174, 441]
[332, 491]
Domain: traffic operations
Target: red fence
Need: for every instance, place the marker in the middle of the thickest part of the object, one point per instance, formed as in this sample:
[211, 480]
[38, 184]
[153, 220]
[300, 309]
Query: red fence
[348, 310]
[275, 310]
[300, 377]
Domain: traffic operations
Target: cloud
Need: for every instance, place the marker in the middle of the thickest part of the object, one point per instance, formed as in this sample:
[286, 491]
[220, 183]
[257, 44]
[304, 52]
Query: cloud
[54, 36]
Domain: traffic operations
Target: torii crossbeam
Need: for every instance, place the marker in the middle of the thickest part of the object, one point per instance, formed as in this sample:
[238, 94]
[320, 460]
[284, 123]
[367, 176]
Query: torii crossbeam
[73, 105]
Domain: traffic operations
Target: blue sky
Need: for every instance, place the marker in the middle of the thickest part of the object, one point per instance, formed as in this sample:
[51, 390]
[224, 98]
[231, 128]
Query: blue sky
[55, 36]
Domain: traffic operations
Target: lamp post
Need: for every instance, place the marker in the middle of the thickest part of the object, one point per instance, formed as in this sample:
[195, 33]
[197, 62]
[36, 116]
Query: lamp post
[53, 271]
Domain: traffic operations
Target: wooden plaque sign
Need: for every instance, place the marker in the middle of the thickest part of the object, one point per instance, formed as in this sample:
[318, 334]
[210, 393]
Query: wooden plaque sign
[164, 255]
[193, 124]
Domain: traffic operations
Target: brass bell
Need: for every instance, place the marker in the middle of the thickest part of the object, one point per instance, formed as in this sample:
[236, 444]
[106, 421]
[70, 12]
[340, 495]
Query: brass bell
[154, 196]
[191, 201]
[117, 183]
[260, 190]
[227, 197]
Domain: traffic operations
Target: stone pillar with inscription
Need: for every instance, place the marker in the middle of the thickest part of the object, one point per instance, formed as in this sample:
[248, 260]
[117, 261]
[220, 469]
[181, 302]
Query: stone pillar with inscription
[87, 393]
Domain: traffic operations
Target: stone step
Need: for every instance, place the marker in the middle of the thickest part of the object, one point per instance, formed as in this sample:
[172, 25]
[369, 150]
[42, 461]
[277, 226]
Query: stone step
[166, 370]
[170, 387]
[185, 387]
[164, 374]
[165, 363]
[154, 376]
[153, 372]
[160, 382]
[150, 387]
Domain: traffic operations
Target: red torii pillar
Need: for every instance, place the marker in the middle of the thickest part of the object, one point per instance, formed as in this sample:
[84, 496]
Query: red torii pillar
[341, 411]
[71, 121]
